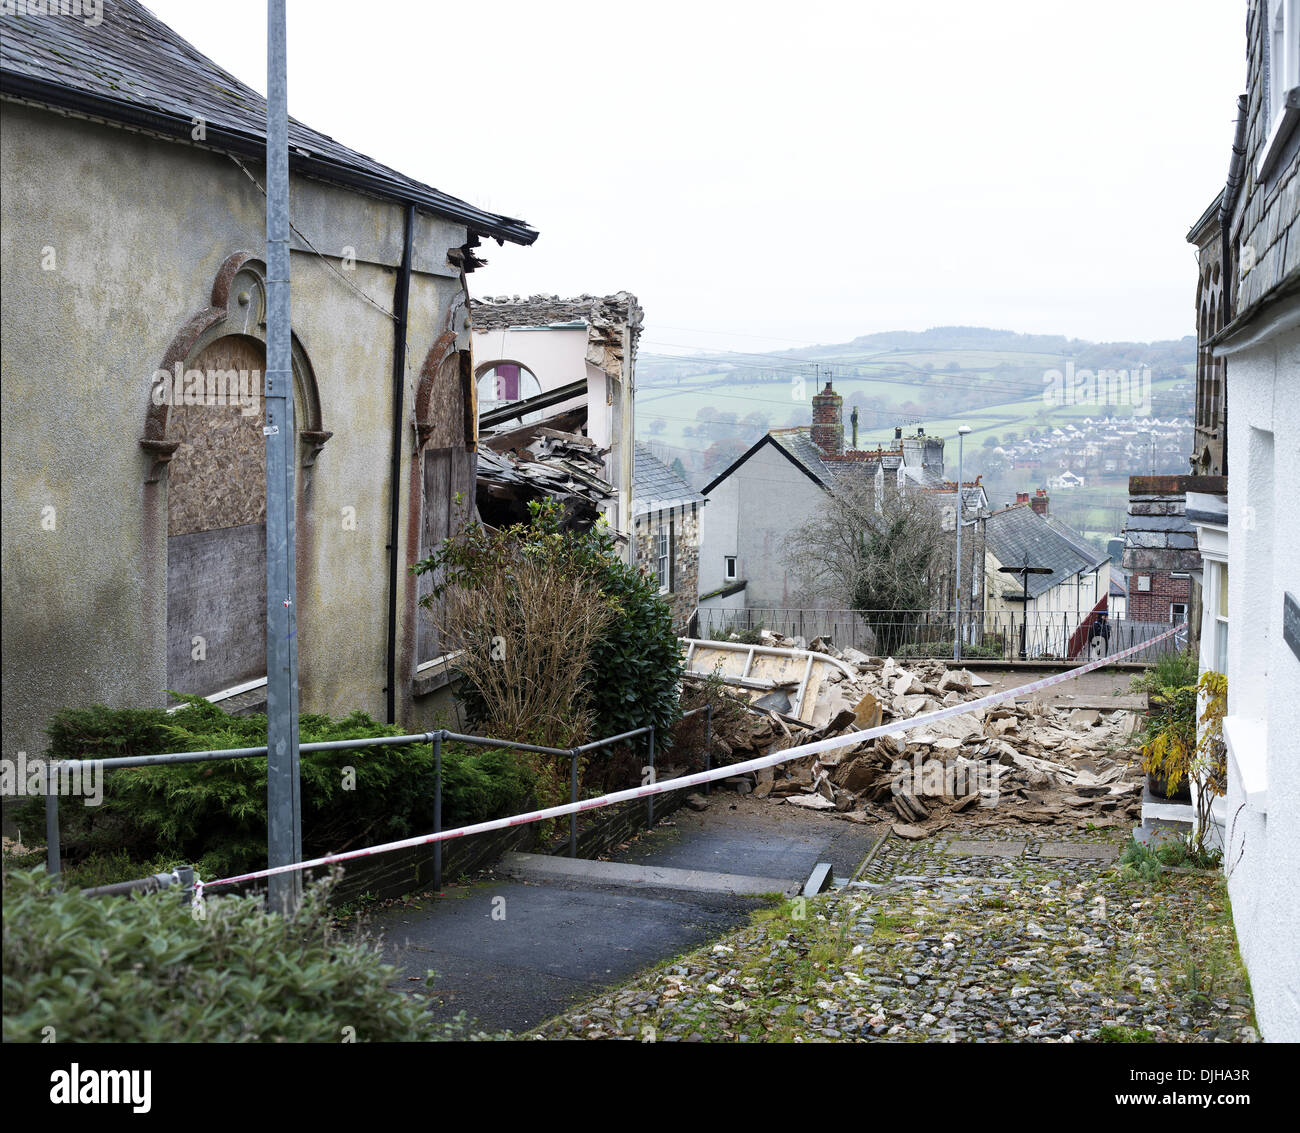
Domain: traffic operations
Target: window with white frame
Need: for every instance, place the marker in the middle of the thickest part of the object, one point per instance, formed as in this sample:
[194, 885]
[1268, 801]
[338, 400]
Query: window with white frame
[1221, 619]
[1282, 46]
[663, 559]
[1178, 612]
[1283, 53]
[729, 570]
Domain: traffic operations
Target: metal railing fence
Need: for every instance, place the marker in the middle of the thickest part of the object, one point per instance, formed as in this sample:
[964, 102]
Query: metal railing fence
[992, 635]
[435, 738]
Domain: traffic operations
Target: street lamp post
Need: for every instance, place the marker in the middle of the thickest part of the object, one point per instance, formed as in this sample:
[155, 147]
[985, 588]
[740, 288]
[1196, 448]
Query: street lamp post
[956, 637]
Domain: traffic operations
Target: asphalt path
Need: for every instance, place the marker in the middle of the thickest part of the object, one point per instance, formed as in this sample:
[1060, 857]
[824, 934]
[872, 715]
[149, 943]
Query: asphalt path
[512, 952]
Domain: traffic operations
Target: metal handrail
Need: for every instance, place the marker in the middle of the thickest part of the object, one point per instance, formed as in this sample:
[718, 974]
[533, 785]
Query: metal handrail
[435, 738]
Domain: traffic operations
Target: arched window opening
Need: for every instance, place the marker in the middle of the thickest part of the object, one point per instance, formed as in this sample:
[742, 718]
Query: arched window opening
[504, 383]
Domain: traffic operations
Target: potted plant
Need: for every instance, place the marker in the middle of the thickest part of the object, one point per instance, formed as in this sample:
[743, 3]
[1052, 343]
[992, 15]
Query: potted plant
[1169, 741]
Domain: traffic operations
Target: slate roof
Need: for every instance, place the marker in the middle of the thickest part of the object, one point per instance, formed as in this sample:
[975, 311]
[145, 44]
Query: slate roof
[1016, 531]
[656, 486]
[133, 69]
[799, 444]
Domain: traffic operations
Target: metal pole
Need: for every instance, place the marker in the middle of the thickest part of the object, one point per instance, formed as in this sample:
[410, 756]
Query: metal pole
[956, 637]
[52, 851]
[437, 809]
[283, 808]
[573, 798]
[708, 744]
[650, 799]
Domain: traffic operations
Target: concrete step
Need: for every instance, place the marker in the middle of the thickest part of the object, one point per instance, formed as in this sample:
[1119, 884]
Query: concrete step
[544, 867]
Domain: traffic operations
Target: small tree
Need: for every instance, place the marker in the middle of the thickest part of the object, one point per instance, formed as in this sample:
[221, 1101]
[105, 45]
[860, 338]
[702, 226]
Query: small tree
[878, 557]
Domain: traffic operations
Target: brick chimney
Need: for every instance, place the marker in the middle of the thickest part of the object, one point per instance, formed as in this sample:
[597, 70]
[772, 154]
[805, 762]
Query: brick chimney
[1022, 497]
[828, 421]
[1039, 502]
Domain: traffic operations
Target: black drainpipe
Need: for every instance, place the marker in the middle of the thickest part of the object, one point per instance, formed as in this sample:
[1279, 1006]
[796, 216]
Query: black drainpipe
[1229, 206]
[401, 304]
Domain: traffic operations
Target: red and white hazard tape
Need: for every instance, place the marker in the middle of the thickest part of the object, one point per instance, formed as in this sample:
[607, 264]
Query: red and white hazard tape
[664, 785]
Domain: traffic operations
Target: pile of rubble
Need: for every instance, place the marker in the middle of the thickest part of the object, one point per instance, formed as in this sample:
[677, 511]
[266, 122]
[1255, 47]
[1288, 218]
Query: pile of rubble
[1018, 760]
[533, 463]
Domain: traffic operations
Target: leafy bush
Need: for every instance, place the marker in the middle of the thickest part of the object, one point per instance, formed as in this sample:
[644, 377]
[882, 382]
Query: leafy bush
[214, 813]
[144, 969]
[1169, 739]
[636, 666]
[559, 617]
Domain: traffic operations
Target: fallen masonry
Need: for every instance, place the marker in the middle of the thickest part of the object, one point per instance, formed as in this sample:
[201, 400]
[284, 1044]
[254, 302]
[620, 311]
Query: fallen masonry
[1021, 761]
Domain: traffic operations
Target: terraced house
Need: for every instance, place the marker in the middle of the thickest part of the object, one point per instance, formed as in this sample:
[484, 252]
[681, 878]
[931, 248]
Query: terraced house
[1248, 390]
[133, 349]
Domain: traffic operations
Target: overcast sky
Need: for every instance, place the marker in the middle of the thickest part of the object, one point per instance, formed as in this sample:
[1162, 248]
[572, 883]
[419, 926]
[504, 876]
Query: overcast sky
[765, 175]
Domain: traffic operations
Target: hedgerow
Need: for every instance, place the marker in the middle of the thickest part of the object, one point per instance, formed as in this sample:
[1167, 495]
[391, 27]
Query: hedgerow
[145, 969]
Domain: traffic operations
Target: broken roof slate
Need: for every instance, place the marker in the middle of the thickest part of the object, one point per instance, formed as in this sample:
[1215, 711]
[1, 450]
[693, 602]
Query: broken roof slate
[133, 68]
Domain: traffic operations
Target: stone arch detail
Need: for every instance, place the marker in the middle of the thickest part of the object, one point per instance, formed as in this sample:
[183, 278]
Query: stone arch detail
[446, 412]
[236, 308]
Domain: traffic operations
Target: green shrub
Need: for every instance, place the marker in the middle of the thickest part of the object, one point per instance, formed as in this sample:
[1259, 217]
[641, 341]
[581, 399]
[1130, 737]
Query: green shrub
[143, 969]
[1171, 670]
[1149, 862]
[629, 665]
[636, 665]
[213, 814]
[944, 649]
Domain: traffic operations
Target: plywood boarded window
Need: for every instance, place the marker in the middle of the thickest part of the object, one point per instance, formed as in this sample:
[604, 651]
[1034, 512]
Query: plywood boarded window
[216, 521]
[448, 500]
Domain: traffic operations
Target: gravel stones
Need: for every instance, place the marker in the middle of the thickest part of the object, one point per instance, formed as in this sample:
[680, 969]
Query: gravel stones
[937, 946]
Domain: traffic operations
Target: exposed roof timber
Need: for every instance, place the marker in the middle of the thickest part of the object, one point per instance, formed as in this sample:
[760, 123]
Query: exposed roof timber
[565, 422]
[532, 404]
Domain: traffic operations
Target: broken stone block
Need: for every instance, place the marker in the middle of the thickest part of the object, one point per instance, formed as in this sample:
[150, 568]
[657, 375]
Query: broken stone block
[907, 684]
[912, 833]
[958, 680]
[867, 712]
[1084, 718]
[893, 744]
[810, 802]
[697, 802]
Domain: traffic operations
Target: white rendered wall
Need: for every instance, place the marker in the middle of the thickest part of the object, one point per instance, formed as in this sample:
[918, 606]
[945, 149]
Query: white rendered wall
[1263, 725]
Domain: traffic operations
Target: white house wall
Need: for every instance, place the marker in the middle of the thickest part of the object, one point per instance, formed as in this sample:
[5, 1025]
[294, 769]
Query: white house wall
[1263, 724]
[752, 515]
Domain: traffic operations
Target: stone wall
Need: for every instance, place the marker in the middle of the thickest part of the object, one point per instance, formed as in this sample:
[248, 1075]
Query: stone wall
[685, 536]
[605, 316]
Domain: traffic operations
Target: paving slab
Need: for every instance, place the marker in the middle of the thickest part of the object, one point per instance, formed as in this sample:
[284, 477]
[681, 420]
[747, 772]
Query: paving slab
[754, 837]
[985, 849]
[544, 867]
